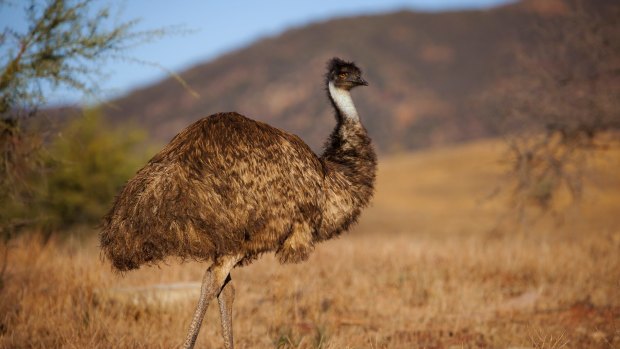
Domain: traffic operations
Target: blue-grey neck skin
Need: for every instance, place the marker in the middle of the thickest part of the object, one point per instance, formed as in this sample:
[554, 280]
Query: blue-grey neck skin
[343, 102]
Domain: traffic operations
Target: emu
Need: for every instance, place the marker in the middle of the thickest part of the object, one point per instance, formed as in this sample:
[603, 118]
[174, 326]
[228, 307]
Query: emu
[227, 189]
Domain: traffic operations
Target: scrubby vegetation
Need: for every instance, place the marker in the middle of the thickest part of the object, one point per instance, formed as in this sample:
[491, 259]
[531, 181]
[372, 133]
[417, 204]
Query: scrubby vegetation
[87, 165]
[61, 44]
[78, 173]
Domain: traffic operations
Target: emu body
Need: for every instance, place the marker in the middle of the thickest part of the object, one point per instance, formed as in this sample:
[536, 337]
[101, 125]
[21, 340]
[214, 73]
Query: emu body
[228, 188]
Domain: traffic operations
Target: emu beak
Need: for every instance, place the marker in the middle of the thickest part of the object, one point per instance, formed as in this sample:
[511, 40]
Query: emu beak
[357, 81]
[361, 82]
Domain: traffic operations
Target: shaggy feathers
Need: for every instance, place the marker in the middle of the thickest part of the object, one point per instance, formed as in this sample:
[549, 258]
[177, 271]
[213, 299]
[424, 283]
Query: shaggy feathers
[229, 185]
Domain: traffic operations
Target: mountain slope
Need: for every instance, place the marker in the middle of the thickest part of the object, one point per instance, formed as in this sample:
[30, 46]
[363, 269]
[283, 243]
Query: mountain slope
[427, 73]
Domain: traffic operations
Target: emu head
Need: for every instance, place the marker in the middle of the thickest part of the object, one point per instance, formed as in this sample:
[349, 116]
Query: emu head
[344, 75]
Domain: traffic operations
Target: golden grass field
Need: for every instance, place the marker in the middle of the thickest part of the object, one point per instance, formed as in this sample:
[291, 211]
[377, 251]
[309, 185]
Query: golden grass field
[432, 264]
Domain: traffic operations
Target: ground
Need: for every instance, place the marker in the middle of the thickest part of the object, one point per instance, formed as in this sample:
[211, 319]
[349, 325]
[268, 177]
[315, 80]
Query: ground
[435, 263]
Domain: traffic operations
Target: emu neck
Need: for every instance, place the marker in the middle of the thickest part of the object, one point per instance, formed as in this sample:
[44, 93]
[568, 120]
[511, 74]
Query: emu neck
[350, 165]
[342, 102]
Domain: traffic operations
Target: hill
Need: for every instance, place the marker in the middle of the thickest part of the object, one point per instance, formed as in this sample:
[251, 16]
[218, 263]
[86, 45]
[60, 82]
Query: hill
[431, 77]
[462, 189]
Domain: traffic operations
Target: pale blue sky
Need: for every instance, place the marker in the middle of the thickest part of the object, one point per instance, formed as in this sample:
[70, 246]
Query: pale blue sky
[217, 27]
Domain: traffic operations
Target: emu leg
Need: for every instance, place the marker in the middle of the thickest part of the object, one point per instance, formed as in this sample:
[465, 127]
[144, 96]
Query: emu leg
[226, 299]
[212, 283]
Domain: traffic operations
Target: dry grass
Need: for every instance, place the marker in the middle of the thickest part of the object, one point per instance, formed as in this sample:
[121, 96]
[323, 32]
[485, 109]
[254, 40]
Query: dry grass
[422, 270]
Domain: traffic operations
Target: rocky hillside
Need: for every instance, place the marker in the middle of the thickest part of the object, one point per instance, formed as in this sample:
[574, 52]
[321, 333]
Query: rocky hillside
[428, 73]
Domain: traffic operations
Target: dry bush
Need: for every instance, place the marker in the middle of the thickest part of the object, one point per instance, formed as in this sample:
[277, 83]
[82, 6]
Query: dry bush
[561, 98]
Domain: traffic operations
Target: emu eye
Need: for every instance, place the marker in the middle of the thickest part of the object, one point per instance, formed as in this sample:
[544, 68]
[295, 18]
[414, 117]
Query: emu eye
[342, 75]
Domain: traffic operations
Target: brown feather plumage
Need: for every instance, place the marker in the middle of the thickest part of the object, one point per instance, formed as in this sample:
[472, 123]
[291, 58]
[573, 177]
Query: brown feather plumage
[229, 185]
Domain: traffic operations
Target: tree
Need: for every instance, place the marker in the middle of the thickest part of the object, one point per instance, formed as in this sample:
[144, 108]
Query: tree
[562, 103]
[63, 45]
[86, 166]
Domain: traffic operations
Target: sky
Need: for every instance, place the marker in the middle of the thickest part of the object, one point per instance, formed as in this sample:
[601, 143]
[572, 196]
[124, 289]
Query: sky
[211, 28]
